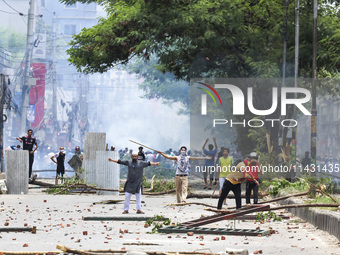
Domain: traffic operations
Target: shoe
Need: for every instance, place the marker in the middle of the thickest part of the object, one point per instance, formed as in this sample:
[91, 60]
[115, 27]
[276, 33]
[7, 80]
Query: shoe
[140, 212]
[205, 187]
[125, 212]
[209, 188]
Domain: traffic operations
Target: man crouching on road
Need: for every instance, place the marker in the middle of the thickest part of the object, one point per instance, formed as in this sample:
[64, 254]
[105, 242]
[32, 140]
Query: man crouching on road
[134, 180]
[233, 182]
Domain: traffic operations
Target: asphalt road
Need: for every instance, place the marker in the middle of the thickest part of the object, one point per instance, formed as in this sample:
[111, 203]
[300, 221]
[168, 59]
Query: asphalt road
[58, 219]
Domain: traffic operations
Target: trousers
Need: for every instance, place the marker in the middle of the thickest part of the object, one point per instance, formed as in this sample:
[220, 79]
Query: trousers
[227, 187]
[128, 198]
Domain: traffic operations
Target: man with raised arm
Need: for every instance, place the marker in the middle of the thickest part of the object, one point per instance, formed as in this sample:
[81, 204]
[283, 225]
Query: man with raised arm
[134, 180]
[182, 172]
[209, 163]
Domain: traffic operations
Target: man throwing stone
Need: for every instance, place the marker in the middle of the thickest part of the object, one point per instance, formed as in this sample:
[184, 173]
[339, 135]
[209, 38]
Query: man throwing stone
[134, 180]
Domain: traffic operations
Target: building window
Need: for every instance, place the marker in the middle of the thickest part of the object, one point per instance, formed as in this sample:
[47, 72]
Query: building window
[43, 3]
[70, 29]
[71, 6]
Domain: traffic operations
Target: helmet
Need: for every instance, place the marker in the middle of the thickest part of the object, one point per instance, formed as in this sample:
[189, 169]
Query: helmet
[77, 148]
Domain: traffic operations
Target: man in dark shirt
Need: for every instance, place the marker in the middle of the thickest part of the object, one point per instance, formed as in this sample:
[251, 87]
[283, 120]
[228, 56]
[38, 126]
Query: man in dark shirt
[141, 155]
[59, 159]
[28, 142]
[134, 180]
[209, 163]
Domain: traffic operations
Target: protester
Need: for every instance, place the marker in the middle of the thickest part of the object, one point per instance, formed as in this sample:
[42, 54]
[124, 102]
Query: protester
[28, 143]
[209, 162]
[59, 159]
[76, 161]
[141, 155]
[134, 180]
[225, 162]
[233, 182]
[253, 168]
[182, 172]
[306, 161]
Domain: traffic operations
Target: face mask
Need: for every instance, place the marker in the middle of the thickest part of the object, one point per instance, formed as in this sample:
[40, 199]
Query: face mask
[134, 160]
[183, 153]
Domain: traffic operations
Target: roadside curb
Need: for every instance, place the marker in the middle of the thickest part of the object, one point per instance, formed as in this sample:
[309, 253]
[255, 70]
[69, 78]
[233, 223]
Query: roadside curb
[323, 219]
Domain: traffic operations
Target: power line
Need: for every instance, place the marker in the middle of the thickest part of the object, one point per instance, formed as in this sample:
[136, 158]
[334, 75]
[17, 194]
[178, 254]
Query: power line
[12, 7]
[9, 12]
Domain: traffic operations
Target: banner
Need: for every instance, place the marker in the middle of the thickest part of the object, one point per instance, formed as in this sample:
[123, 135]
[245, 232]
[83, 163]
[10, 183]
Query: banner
[37, 93]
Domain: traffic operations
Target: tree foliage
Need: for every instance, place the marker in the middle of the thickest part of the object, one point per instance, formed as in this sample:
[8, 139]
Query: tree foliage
[12, 41]
[200, 38]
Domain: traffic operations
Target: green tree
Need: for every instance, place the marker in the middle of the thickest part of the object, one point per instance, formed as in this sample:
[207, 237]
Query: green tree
[13, 42]
[206, 39]
[200, 38]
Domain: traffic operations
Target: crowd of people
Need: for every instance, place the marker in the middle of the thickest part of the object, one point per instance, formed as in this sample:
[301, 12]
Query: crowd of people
[220, 168]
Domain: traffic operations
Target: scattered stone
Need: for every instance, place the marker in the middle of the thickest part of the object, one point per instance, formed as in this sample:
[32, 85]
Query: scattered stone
[190, 233]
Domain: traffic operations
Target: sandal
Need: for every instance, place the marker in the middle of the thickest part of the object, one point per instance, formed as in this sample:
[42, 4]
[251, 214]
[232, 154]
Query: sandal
[125, 212]
[140, 212]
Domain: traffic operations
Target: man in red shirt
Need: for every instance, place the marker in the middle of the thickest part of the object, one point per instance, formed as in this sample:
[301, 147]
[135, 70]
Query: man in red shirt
[253, 168]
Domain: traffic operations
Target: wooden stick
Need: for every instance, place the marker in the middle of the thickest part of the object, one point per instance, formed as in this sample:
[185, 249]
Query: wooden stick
[29, 252]
[88, 252]
[281, 198]
[303, 205]
[152, 181]
[191, 203]
[278, 207]
[160, 193]
[66, 249]
[214, 191]
[198, 195]
[143, 145]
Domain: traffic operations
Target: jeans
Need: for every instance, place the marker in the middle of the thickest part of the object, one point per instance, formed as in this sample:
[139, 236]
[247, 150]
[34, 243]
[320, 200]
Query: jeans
[249, 187]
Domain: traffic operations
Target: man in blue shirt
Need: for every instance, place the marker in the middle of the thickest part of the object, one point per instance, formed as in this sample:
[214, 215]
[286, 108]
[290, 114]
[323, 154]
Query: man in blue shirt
[209, 163]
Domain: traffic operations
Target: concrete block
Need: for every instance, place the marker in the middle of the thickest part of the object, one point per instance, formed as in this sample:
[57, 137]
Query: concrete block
[17, 168]
[93, 142]
[107, 173]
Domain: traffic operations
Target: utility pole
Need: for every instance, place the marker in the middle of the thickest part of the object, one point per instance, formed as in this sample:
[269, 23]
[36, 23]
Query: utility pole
[314, 112]
[54, 81]
[285, 39]
[26, 75]
[297, 34]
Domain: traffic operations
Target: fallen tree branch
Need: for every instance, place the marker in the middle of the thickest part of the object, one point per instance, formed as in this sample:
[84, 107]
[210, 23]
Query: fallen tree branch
[68, 187]
[95, 188]
[29, 252]
[90, 252]
[323, 192]
[44, 184]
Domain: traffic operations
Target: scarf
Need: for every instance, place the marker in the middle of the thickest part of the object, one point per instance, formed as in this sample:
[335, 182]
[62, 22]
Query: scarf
[183, 162]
